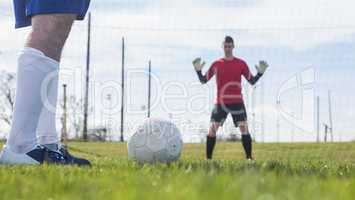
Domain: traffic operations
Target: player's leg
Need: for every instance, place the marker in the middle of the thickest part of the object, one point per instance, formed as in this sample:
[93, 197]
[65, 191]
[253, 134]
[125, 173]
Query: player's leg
[38, 66]
[211, 139]
[37, 82]
[49, 34]
[218, 116]
[246, 139]
[36, 98]
[239, 116]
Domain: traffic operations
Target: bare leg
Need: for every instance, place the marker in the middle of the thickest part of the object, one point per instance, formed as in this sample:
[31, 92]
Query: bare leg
[49, 33]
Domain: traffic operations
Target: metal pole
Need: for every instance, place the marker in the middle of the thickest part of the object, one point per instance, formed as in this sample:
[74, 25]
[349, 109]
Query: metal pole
[278, 123]
[325, 132]
[122, 97]
[86, 99]
[149, 86]
[330, 116]
[292, 129]
[64, 128]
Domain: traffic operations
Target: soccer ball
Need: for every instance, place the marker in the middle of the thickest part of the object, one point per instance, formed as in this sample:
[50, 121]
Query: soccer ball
[155, 140]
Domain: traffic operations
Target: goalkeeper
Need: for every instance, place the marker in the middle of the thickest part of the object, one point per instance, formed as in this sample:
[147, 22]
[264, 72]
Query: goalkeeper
[228, 71]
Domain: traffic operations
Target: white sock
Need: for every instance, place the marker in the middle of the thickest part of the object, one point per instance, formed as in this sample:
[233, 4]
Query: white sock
[33, 68]
[46, 128]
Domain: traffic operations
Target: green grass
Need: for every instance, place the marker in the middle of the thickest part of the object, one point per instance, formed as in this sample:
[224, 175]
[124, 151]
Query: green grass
[282, 171]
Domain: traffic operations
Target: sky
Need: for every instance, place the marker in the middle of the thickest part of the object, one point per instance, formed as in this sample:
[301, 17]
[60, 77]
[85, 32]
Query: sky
[302, 40]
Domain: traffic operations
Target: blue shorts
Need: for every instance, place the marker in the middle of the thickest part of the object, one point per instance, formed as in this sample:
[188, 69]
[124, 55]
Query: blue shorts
[25, 9]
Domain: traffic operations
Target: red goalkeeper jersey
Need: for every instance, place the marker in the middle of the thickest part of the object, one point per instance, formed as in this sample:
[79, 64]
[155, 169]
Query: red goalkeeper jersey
[228, 78]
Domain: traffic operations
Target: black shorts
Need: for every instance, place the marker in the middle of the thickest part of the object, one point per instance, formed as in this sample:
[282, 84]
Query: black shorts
[221, 111]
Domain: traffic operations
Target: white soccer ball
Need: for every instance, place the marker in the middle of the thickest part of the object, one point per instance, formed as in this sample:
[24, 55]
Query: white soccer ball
[154, 141]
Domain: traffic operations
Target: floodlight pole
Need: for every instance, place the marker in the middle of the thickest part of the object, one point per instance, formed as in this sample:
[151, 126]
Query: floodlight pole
[123, 93]
[86, 99]
[149, 87]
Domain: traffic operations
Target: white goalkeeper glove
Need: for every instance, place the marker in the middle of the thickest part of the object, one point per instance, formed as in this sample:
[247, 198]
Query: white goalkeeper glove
[261, 68]
[198, 64]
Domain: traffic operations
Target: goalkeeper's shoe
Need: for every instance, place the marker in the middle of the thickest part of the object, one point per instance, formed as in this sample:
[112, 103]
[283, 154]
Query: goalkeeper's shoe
[40, 155]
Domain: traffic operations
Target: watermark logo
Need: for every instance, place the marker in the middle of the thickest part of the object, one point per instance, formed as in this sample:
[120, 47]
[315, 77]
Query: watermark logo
[301, 85]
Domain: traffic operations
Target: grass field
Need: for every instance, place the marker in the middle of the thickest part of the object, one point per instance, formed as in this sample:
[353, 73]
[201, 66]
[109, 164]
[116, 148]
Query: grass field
[282, 171]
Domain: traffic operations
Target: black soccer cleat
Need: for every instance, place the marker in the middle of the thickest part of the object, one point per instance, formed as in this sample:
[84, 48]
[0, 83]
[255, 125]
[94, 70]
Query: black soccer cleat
[71, 160]
[62, 157]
